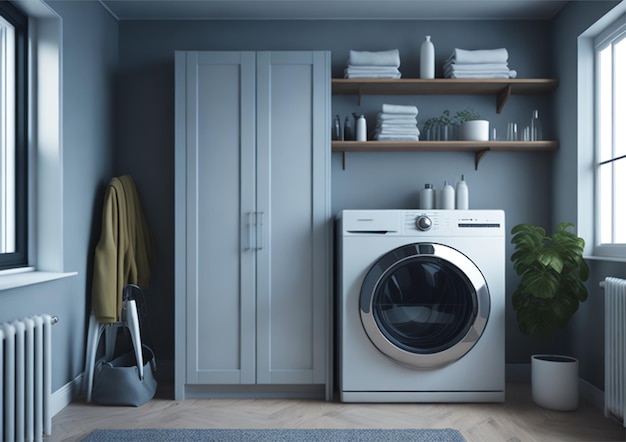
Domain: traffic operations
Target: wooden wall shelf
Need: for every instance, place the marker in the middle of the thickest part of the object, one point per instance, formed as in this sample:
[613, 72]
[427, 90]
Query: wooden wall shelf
[479, 148]
[501, 88]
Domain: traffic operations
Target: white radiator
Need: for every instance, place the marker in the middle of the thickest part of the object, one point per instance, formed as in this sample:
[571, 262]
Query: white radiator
[615, 348]
[25, 378]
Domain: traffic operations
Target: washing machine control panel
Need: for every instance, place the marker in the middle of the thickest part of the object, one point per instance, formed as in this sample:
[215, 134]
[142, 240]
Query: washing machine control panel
[423, 223]
[453, 222]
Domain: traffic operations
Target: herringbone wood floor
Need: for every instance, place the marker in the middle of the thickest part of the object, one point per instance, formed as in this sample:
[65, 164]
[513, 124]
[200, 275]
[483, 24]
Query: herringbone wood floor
[518, 419]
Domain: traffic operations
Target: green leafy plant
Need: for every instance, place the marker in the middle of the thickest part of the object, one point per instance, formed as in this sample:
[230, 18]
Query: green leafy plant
[444, 119]
[552, 271]
[447, 120]
[430, 123]
[468, 114]
[441, 121]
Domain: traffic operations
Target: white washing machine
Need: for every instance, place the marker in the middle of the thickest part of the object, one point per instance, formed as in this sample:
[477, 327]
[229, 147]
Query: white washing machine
[421, 305]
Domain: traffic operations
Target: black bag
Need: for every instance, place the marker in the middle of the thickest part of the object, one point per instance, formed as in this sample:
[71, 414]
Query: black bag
[117, 382]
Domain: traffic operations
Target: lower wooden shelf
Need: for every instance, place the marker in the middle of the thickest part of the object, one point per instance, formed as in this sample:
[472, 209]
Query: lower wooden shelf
[480, 148]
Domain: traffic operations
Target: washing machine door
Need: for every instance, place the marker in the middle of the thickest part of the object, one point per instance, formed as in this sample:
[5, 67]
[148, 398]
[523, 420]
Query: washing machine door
[424, 304]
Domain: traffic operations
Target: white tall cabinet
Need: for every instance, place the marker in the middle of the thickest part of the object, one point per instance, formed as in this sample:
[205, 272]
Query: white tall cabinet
[252, 224]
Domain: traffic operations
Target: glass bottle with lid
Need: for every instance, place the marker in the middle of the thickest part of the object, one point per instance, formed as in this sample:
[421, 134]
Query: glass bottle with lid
[535, 127]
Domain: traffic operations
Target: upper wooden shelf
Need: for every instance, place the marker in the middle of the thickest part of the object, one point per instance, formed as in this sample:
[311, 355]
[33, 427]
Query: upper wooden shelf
[502, 88]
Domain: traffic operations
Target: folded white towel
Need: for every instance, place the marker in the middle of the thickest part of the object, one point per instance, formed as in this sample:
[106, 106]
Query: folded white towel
[395, 127]
[361, 69]
[372, 75]
[399, 109]
[378, 58]
[464, 67]
[371, 72]
[476, 73]
[413, 130]
[410, 121]
[500, 55]
[510, 74]
[408, 131]
[404, 122]
[382, 137]
[397, 118]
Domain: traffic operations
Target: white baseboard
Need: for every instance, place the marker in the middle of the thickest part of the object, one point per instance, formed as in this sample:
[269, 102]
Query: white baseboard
[64, 395]
[514, 373]
[591, 393]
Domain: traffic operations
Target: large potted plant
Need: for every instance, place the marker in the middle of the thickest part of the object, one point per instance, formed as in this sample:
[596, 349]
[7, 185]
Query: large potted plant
[551, 287]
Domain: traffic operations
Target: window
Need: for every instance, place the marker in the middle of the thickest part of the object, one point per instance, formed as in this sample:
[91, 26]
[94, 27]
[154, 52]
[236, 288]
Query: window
[610, 140]
[13, 137]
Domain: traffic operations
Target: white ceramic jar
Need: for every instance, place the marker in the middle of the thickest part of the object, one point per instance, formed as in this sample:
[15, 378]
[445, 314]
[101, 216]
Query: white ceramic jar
[474, 130]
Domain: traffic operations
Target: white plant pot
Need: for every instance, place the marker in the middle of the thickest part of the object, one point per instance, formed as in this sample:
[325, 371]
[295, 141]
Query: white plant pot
[474, 130]
[554, 382]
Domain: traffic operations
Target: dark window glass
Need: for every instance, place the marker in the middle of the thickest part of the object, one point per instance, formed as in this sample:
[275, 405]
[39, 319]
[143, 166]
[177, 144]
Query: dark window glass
[424, 305]
[13, 137]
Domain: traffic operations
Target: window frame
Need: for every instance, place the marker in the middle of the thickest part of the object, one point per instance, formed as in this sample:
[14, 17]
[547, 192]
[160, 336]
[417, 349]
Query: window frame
[615, 31]
[19, 258]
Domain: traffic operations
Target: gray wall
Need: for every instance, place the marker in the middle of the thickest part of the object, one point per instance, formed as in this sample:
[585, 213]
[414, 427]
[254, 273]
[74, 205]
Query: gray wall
[519, 183]
[585, 335]
[89, 61]
[122, 122]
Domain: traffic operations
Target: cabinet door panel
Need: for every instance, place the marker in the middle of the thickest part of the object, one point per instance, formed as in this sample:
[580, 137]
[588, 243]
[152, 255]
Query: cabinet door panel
[289, 304]
[220, 195]
[252, 218]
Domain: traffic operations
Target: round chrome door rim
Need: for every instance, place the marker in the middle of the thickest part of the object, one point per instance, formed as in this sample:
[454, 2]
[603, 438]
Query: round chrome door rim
[417, 360]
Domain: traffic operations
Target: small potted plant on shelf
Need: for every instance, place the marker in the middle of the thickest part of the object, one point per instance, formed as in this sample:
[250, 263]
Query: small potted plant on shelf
[439, 128]
[444, 122]
[430, 129]
[471, 127]
[551, 288]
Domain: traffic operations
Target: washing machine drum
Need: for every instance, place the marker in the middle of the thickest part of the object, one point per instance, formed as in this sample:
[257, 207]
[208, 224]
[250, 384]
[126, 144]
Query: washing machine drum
[424, 304]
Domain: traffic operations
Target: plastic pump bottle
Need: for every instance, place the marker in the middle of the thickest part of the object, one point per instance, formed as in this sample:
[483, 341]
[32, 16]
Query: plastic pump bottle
[447, 196]
[427, 197]
[462, 194]
[361, 128]
[337, 132]
[348, 133]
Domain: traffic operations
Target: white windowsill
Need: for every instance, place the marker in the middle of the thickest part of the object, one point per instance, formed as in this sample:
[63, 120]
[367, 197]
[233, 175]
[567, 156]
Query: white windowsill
[28, 276]
[604, 258]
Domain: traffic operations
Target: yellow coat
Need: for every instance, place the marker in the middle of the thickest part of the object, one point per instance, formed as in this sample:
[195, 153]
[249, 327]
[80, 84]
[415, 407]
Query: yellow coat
[124, 251]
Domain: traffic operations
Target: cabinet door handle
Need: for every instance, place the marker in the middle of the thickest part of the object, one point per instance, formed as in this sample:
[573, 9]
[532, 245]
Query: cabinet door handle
[261, 237]
[251, 223]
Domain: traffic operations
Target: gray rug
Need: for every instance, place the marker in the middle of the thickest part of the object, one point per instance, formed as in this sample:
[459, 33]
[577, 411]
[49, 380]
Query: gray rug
[433, 435]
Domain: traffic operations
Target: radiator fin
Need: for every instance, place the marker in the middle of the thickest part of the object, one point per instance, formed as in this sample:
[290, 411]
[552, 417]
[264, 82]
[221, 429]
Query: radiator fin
[25, 379]
[615, 354]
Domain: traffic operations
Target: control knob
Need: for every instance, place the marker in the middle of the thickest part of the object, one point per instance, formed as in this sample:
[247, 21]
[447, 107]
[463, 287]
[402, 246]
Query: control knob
[423, 223]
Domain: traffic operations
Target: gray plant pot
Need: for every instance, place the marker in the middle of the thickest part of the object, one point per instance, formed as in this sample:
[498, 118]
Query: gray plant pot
[554, 380]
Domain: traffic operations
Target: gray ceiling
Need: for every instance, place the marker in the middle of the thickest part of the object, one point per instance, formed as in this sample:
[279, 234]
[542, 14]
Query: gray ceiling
[332, 9]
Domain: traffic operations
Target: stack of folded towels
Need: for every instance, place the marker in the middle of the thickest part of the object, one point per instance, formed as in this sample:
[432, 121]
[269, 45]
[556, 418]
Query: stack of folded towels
[397, 122]
[381, 64]
[482, 63]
